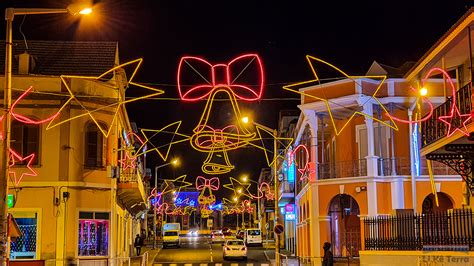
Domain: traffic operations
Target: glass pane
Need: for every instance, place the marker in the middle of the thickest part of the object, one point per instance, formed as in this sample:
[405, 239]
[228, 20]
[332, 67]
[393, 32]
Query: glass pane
[24, 247]
[93, 238]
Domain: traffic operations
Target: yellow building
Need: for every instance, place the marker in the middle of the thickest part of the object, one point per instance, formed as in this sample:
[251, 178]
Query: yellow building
[81, 199]
[371, 170]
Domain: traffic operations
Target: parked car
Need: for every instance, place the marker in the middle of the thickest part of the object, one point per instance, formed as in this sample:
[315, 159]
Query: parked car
[234, 248]
[217, 236]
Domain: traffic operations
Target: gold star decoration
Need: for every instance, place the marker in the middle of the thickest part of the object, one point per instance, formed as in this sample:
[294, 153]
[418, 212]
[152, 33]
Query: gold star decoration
[242, 189]
[107, 101]
[337, 130]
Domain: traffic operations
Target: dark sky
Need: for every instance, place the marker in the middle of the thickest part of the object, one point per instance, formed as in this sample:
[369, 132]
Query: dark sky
[349, 34]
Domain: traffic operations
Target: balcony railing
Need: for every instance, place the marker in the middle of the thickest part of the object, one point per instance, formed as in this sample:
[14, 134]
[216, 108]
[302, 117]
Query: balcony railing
[342, 169]
[432, 129]
[386, 167]
[401, 166]
[446, 230]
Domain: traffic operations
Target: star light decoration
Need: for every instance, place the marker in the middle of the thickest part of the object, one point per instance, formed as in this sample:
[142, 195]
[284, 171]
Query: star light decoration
[21, 171]
[169, 184]
[169, 132]
[337, 130]
[241, 189]
[118, 98]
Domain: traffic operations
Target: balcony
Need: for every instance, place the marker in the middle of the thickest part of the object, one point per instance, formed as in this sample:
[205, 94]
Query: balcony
[386, 167]
[131, 190]
[432, 130]
[342, 169]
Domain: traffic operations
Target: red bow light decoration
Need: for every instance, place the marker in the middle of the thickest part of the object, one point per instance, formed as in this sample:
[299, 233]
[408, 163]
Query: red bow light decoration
[231, 75]
[212, 183]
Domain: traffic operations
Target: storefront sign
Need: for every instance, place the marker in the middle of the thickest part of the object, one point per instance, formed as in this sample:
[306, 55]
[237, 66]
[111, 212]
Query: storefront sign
[290, 216]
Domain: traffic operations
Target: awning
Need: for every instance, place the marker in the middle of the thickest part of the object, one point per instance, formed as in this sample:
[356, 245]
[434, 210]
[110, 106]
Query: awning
[13, 228]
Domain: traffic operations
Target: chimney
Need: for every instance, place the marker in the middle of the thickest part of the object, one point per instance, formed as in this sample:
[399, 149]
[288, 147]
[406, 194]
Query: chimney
[24, 63]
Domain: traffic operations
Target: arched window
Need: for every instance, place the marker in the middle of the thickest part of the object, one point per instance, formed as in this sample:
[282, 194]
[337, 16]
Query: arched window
[94, 146]
[25, 140]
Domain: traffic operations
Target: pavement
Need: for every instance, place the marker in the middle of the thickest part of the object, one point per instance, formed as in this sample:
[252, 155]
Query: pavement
[152, 253]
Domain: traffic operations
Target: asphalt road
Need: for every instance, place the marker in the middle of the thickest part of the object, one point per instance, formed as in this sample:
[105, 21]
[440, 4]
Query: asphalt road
[199, 250]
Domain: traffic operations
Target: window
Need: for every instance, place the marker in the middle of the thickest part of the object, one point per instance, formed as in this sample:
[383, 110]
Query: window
[24, 247]
[93, 234]
[94, 146]
[25, 140]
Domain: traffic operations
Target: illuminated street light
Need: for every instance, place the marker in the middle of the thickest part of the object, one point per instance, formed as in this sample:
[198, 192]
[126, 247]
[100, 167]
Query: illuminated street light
[245, 119]
[239, 191]
[423, 91]
[235, 199]
[7, 100]
[174, 162]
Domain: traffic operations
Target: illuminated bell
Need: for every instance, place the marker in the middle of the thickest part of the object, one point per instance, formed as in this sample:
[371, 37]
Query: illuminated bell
[216, 163]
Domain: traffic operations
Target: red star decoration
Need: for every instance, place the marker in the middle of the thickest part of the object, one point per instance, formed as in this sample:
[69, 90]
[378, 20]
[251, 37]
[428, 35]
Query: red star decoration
[28, 171]
[128, 162]
[460, 121]
[306, 172]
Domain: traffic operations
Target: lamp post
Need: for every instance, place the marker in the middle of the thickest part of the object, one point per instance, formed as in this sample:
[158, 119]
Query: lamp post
[245, 179]
[7, 99]
[173, 162]
[275, 182]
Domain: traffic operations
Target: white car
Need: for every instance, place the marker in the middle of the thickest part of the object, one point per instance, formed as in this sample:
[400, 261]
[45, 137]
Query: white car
[234, 248]
[217, 237]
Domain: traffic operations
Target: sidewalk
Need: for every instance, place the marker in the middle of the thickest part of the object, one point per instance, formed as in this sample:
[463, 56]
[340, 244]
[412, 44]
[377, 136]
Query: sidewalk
[287, 258]
[152, 253]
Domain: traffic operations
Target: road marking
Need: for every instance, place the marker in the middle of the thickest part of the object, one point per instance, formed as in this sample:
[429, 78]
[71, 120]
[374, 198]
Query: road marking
[234, 264]
[218, 264]
[264, 264]
[203, 264]
[158, 264]
[173, 264]
[188, 264]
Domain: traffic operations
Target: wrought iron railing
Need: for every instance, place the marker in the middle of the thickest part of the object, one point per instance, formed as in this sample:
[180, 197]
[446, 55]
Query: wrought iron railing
[446, 230]
[342, 169]
[432, 129]
[401, 166]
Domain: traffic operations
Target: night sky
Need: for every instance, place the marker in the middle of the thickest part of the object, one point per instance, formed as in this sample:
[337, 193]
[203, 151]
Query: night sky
[349, 34]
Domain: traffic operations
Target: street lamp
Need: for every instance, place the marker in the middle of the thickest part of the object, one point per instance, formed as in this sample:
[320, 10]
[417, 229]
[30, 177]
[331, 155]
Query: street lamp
[245, 179]
[7, 99]
[246, 120]
[174, 162]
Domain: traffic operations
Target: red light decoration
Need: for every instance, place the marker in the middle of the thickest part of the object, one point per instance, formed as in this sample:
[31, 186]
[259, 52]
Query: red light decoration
[25, 119]
[430, 112]
[128, 161]
[15, 157]
[306, 171]
[212, 183]
[195, 92]
[454, 115]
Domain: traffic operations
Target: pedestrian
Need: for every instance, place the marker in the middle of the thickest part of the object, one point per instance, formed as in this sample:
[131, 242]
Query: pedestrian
[328, 258]
[138, 244]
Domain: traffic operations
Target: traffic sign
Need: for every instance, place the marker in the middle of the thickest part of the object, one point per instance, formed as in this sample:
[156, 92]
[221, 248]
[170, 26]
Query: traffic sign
[278, 229]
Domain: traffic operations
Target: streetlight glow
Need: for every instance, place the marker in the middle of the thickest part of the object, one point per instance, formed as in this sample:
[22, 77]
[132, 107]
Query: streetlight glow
[235, 199]
[239, 191]
[245, 119]
[423, 91]
[175, 162]
[245, 178]
[86, 11]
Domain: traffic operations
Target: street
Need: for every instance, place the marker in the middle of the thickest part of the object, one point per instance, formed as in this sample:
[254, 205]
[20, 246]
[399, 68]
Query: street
[198, 251]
